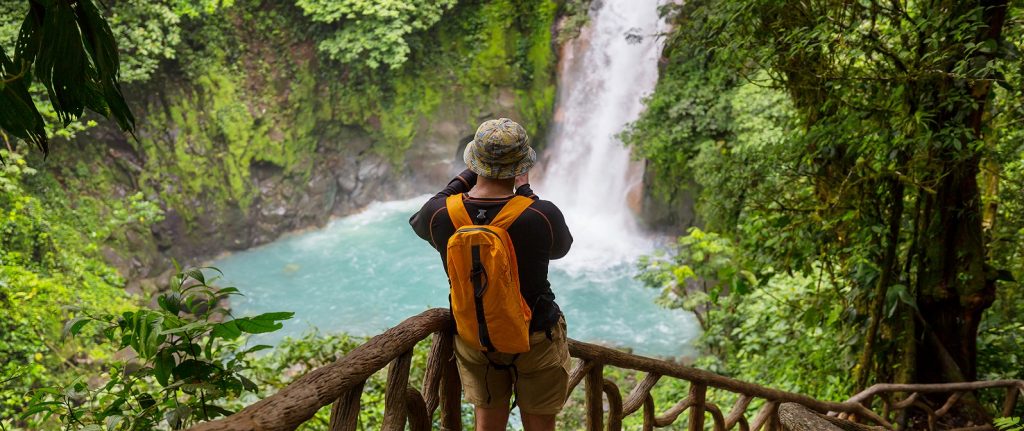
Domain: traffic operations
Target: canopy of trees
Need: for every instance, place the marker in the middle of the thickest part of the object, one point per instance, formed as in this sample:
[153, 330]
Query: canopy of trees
[865, 153]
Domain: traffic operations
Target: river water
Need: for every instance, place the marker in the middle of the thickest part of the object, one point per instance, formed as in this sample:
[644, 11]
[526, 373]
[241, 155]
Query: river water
[365, 273]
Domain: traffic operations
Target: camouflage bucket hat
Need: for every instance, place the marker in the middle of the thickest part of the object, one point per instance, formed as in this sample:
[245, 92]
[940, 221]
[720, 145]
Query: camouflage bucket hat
[500, 149]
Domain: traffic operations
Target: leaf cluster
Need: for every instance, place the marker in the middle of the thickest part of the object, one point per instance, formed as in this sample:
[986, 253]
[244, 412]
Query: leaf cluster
[371, 33]
[1009, 424]
[184, 360]
[70, 49]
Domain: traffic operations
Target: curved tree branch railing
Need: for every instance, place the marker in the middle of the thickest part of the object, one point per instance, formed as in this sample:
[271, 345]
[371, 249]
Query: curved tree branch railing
[911, 398]
[341, 383]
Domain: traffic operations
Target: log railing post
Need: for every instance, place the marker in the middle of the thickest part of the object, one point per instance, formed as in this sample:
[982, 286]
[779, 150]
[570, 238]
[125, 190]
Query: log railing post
[1011, 400]
[395, 393]
[774, 422]
[594, 388]
[416, 409]
[636, 397]
[697, 394]
[614, 405]
[437, 359]
[451, 393]
[345, 411]
[736, 415]
[764, 416]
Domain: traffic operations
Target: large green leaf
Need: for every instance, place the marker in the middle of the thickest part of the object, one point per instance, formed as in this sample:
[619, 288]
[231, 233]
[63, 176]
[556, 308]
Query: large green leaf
[18, 115]
[73, 53]
[267, 322]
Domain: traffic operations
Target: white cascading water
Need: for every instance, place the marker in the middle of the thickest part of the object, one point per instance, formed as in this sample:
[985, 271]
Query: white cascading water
[587, 171]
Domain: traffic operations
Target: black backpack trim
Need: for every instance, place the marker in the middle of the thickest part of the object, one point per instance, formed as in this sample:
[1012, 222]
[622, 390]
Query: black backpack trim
[479, 277]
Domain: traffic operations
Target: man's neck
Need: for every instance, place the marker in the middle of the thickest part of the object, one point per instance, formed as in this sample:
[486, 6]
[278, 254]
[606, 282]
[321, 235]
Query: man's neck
[492, 188]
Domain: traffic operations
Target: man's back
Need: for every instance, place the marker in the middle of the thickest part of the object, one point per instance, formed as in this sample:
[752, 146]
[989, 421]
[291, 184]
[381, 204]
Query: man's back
[538, 236]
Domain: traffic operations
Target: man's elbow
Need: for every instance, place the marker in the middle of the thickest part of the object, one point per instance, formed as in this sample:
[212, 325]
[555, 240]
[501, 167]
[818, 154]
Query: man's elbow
[560, 252]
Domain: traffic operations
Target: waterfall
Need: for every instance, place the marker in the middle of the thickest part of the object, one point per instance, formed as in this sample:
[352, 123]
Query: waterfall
[369, 271]
[587, 171]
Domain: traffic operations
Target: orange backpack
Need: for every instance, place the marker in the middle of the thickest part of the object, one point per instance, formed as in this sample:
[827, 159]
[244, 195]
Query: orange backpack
[490, 312]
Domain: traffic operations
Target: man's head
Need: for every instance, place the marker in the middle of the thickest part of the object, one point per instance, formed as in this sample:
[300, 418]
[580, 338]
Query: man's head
[500, 150]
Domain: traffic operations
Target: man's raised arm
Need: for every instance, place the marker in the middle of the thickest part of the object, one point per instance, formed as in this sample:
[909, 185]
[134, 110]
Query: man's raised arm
[420, 221]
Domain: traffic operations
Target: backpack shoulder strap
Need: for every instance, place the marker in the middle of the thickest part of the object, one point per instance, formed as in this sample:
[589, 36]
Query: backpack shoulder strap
[511, 211]
[457, 211]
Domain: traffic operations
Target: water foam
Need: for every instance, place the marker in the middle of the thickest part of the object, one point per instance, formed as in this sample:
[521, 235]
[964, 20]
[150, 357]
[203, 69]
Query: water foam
[587, 171]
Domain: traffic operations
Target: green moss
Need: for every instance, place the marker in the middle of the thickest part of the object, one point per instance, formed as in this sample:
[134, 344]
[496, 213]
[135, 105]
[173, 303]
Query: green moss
[463, 62]
[538, 102]
[259, 93]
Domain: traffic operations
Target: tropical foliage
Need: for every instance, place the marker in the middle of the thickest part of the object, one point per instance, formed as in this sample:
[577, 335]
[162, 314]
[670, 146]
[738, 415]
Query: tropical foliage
[857, 164]
[47, 263]
[219, 87]
[862, 153]
[70, 49]
[187, 355]
[373, 33]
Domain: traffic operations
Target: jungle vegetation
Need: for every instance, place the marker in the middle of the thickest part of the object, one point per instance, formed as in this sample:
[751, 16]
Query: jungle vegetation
[859, 168]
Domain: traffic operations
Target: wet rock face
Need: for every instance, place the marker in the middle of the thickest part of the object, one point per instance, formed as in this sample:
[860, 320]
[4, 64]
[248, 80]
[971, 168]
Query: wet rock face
[344, 178]
[672, 215]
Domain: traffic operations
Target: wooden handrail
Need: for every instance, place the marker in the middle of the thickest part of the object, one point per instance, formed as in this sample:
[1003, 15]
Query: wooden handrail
[300, 400]
[342, 381]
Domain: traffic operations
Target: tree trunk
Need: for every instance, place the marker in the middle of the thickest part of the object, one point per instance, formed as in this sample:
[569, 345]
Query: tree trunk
[955, 286]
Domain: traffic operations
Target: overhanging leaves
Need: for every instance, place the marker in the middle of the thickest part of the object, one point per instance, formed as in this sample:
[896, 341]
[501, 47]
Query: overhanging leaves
[18, 115]
[72, 52]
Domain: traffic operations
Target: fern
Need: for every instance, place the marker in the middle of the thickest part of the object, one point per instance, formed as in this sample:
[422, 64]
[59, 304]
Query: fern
[1009, 424]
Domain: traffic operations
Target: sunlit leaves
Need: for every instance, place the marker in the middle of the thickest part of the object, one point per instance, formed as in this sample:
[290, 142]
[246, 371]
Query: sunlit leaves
[147, 32]
[373, 33]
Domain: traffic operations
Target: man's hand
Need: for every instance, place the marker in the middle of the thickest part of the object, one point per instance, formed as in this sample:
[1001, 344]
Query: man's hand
[522, 180]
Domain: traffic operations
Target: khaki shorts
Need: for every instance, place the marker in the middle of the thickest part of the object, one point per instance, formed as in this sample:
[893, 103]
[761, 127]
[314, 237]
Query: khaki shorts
[543, 374]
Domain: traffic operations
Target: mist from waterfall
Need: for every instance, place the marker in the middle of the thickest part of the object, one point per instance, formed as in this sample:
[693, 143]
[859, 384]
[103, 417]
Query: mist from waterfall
[587, 171]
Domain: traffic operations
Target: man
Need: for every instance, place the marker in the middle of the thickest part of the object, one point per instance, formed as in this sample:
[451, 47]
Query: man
[498, 160]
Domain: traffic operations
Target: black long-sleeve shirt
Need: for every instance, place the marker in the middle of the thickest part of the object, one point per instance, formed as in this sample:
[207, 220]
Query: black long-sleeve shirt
[538, 235]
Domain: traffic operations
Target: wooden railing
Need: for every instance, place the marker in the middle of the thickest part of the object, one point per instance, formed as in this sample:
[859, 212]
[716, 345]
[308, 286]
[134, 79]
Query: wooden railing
[912, 397]
[341, 383]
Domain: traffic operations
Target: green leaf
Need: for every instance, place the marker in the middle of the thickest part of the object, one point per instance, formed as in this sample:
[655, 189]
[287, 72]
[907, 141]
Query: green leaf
[145, 336]
[163, 366]
[112, 422]
[39, 408]
[267, 322]
[255, 349]
[248, 384]
[215, 411]
[227, 330]
[73, 327]
[229, 291]
[175, 418]
[196, 274]
[185, 328]
[146, 401]
[18, 113]
[170, 302]
[194, 370]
